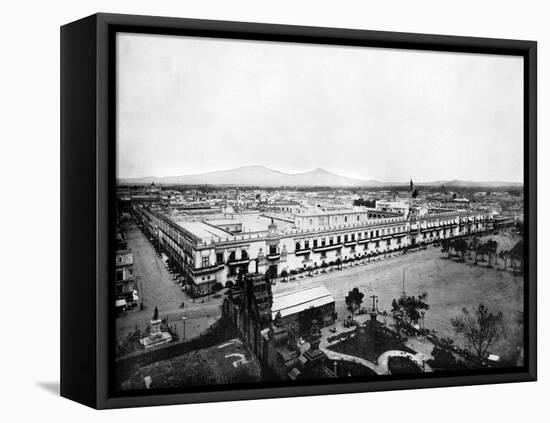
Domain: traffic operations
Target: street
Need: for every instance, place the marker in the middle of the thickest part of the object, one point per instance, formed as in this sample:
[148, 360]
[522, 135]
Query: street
[159, 289]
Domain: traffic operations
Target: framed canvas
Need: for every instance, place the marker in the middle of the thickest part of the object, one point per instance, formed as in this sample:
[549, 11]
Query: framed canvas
[255, 211]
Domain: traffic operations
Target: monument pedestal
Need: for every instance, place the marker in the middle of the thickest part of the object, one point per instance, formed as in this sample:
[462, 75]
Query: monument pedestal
[156, 336]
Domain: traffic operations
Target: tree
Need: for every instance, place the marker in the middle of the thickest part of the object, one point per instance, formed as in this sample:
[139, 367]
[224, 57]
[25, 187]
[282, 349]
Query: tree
[480, 250]
[284, 274]
[460, 246]
[504, 256]
[410, 308]
[446, 247]
[354, 300]
[517, 255]
[481, 329]
[490, 250]
[473, 246]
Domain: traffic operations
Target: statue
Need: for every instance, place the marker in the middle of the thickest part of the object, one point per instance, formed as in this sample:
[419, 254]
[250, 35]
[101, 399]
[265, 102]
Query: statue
[293, 337]
[156, 314]
[278, 320]
[314, 335]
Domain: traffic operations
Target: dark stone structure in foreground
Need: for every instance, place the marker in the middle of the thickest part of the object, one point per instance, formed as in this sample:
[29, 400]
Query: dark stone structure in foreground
[248, 307]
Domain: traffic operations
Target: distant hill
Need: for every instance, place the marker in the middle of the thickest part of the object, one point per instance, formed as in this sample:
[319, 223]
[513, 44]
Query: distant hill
[257, 176]
[262, 176]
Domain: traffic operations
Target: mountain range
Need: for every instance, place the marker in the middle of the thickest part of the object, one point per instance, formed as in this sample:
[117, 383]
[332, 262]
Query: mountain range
[262, 176]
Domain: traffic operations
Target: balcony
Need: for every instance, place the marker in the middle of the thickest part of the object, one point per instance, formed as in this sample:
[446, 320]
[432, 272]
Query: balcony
[275, 256]
[323, 248]
[238, 262]
[206, 270]
[302, 251]
[350, 243]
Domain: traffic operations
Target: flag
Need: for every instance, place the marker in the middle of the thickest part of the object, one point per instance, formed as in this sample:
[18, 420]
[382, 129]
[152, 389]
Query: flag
[414, 191]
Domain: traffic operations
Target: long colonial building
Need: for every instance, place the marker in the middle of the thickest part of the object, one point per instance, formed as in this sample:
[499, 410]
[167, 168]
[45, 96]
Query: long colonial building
[208, 252]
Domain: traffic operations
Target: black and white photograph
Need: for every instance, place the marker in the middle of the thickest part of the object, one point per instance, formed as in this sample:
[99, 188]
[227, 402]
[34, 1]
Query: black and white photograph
[292, 212]
[270, 212]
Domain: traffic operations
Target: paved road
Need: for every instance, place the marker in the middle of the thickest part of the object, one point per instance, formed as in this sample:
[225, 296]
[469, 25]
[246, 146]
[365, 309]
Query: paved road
[159, 289]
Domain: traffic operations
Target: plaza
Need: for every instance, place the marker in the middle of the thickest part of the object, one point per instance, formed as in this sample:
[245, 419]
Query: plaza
[450, 285]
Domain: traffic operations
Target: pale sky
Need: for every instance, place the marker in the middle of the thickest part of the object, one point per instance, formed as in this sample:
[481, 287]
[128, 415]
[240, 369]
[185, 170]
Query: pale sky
[189, 105]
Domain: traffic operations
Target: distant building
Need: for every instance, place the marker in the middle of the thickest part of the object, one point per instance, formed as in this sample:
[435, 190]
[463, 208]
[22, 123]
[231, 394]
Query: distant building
[154, 189]
[393, 206]
[125, 280]
[504, 223]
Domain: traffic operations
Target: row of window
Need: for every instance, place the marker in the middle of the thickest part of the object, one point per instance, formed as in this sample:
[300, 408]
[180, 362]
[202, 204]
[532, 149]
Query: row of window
[120, 274]
[324, 220]
[205, 261]
[335, 240]
[273, 248]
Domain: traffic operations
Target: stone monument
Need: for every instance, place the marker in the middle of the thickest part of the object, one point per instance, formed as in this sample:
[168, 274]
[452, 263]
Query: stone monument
[156, 336]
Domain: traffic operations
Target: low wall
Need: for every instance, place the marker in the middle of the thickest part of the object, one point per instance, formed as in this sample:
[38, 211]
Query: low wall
[219, 332]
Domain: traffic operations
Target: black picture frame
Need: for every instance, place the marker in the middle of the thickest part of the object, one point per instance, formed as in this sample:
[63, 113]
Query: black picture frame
[87, 196]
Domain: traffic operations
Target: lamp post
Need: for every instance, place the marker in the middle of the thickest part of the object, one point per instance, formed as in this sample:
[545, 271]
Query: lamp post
[184, 319]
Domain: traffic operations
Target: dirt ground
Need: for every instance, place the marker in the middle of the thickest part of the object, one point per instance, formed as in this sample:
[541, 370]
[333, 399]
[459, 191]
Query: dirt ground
[450, 286]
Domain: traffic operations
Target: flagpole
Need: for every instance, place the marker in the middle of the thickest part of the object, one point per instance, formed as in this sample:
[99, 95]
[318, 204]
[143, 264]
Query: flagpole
[411, 191]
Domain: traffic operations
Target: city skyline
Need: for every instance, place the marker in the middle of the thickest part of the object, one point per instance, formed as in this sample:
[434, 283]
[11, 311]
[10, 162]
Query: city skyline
[171, 179]
[369, 114]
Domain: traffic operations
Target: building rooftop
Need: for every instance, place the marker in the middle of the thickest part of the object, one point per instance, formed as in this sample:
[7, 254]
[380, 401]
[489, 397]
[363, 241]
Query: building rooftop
[220, 222]
[201, 230]
[288, 303]
[322, 212]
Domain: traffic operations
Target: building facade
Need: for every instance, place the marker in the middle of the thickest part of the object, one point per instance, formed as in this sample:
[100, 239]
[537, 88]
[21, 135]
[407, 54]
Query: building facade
[125, 280]
[208, 255]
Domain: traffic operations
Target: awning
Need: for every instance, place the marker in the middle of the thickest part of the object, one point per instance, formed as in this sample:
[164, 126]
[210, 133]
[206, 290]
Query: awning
[120, 303]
